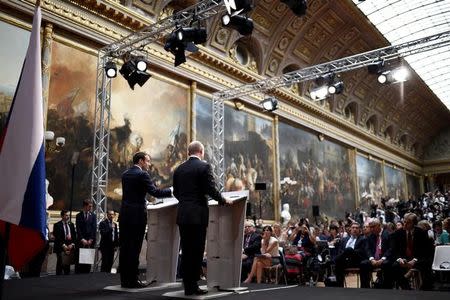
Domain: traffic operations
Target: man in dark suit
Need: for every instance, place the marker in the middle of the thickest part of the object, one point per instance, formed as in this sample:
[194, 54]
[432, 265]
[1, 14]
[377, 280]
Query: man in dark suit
[352, 250]
[410, 250]
[109, 240]
[136, 184]
[252, 246]
[193, 181]
[86, 224]
[64, 244]
[378, 252]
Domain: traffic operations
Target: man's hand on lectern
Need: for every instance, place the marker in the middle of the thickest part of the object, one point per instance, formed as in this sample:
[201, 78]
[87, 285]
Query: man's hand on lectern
[227, 201]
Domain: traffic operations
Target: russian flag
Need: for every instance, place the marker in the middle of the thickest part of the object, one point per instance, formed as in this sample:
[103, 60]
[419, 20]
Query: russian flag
[22, 161]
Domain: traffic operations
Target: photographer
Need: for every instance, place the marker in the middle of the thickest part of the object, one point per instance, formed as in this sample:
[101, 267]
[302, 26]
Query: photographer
[304, 241]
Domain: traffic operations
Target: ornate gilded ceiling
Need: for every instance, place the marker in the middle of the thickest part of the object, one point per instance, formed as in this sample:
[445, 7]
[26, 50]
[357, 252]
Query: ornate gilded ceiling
[407, 115]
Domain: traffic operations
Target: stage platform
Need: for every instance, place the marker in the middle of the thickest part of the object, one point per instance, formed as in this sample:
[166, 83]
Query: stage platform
[91, 286]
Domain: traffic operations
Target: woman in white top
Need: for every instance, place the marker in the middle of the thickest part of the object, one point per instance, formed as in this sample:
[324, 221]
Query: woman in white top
[269, 255]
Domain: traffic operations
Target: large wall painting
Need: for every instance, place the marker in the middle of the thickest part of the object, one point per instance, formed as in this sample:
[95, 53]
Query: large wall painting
[12, 54]
[248, 153]
[70, 115]
[370, 182]
[152, 118]
[395, 183]
[315, 172]
[413, 183]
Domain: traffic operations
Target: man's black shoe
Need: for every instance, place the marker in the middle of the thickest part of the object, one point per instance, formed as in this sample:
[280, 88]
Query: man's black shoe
[196, 292]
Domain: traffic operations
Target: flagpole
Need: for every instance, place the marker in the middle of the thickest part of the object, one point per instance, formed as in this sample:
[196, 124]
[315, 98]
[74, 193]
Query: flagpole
[3, 256]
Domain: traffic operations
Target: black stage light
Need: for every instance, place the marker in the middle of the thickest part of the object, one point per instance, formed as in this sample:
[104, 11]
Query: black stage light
[110, 69]
[192, 34]
[376, 67]
[269, 104]
[132, 74]
[336, 87]
[235, 7]
[241, 24]
[183, 39]
[298, 7]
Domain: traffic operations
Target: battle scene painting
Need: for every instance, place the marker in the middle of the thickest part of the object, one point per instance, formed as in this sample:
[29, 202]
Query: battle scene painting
[315, 172]
[370, 180]
[248, 153]
[152, 118]
[395, 183]
[70, 115]
[413, 183]
[12, 55]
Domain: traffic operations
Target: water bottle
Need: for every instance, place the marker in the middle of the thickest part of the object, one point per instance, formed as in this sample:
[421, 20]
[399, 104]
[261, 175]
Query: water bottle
[311, 282]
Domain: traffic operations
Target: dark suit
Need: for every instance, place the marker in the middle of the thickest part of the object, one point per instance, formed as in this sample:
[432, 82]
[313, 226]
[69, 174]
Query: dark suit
[108, 230]
[366, 265]
[251, 248]
[422, 250]
[349, 257]
[60, 240]
[136, 184]
[86, 229]
[192, 182]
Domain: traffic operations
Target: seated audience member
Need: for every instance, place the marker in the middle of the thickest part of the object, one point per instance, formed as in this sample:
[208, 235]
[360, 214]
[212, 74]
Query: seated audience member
[351, 252]
[409, 251]
[269, 255]
[252, 246]
[64, 244]
[279, 234]
[378, 252]
[444, 238]
[304, 240]
[398, 225]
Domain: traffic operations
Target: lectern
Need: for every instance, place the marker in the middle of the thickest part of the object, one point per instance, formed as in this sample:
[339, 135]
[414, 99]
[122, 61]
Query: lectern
[224, 241]
[163, 241]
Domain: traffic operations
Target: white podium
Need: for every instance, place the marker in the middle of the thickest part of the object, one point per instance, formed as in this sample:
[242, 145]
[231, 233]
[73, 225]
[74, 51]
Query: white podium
[224, 242]
[163, 242]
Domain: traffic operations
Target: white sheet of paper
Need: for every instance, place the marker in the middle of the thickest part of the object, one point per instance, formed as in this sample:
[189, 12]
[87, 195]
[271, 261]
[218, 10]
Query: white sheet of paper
[87, 256]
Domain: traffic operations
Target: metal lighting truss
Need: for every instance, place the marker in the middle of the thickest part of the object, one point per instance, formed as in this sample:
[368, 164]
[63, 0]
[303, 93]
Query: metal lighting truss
[309, 73]
[132, 44]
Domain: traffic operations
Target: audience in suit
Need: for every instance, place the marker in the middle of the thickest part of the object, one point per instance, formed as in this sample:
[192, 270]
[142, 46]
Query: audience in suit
[109, 240]
[64, 243]
[86, 225]
[252, 246]
[410, 250]
[378, 252]
[136, 184]
[352, 251]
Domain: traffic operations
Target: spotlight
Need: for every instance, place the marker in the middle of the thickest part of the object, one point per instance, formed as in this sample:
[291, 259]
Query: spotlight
[376, 68]
[131, 72]
[141, 64]
[394, 76]
[110, 69]
[269, 104]
[241, 24]
[298, 7]
[192, 34]
[319, 93]
[336, 87]
[238, 6]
